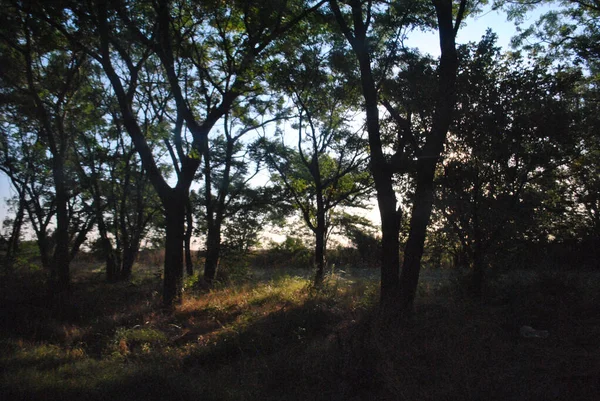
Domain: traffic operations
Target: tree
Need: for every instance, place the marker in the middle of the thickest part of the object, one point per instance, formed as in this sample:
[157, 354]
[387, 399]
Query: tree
[125, 203]
[14, 231]
[570, 30]
[511, 145]
[568, 36]
[204, 59]
[44, 90]
[226, 174]
[325, 170]
[398, 291]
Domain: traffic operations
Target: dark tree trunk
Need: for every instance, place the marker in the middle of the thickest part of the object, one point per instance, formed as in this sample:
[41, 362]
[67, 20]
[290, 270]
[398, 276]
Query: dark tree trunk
[189, 264]
[432, 150]
[60, 274]
[173, 267]
[81, 236]
[112, 266]
[320, 252]
[382, 174]
[413, 250]
[390, 246]
[112, 269]
[15, 235]
[386, 197]
[129, 256]
[44, 247]
[213, 251]
[477, 255]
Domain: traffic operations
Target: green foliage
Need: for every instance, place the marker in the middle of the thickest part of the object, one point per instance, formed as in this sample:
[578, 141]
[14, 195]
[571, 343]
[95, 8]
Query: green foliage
[292, 252]
[507, 161]
[361, 233]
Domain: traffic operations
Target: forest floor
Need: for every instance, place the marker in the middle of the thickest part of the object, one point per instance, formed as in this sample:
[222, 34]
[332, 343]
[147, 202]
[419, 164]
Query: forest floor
[276, 337]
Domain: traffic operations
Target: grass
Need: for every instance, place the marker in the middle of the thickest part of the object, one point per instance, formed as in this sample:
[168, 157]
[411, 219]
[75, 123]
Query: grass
[277, 337]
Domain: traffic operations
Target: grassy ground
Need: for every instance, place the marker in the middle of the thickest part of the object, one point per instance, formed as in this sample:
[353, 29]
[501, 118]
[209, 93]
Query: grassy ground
[277, 338]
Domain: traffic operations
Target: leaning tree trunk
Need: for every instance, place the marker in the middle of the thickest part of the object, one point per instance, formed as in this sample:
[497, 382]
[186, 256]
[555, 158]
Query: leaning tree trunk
[386, 197]
[423, 201]
[382, 174]
[413, 251]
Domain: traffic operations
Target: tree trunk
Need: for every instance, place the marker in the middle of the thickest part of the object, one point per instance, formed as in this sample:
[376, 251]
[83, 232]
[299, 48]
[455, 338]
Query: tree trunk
[213, 251]
[129, 256]
[413, 251]
[112, 270]
[189, 264]
[477, 256]
[442, 118]
[320, 253]
[173, 267]
[15, 235]
[44, 247]
[60, 274]
[386, 198]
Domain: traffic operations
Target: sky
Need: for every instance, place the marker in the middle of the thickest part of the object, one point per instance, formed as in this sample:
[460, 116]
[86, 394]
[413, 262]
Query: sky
[473, 30]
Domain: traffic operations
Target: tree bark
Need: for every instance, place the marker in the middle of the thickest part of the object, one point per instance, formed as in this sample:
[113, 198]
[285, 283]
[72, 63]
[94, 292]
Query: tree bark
[173, 267]
[213, 251]
[386, 197]
[382, 174]
[129, 255]
[15, 235]
[189, 264]
[390, 245]
[60, 274]
[477, 245]
[112, 269]
[413, 251]
[320, 252]
[426, 165]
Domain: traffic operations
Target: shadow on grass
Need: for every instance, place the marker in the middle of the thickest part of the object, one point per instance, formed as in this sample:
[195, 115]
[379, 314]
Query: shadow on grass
[282, 339]
[277, 347]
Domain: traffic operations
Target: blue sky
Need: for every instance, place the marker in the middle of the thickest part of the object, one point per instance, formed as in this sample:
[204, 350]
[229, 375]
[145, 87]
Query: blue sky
[473, 30]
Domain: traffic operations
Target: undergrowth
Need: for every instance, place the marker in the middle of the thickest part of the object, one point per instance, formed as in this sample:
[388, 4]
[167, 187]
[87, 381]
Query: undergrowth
[283, 338]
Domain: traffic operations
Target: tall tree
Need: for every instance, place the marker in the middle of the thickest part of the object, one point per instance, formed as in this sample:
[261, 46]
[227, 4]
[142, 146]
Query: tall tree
[206, 59]
[398, 291]
[228, 170]
[45, 81]
[124, 201]
[326, 168]
[511, 146]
